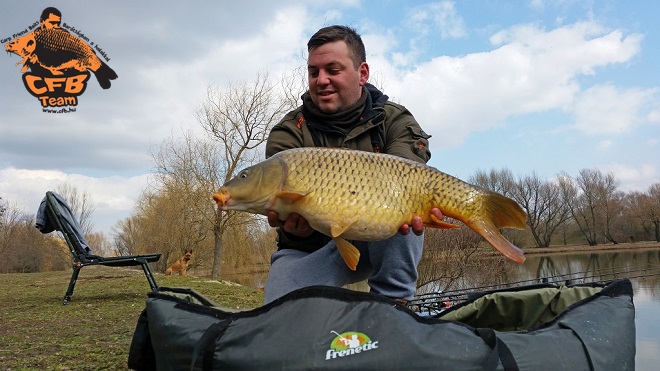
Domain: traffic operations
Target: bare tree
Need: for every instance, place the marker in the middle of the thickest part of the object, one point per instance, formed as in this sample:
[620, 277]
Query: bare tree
[179, 214]
[542, 202]
[167, 221]
[126, 234]
[3, 208]
[594, 203]
[646, 209]
[9, 216]
[654, 208]
[239, 120]
[500, 181]
[81, 205]
[23, 248]
[636, 225]
[187, 171]
[294, 85]
[612, 200]
[581, 207]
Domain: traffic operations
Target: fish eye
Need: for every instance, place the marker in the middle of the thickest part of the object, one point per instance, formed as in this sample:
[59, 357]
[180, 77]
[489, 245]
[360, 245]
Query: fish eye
[243, 174]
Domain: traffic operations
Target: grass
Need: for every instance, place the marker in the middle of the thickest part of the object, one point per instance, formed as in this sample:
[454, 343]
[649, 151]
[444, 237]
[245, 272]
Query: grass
[94, 331]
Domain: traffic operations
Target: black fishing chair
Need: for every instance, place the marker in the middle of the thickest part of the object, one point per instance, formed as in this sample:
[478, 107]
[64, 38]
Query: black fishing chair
[55, 214]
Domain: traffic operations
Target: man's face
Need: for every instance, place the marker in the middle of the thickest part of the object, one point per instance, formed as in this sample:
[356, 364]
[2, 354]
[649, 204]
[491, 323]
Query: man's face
[334, 84]
[52, 21]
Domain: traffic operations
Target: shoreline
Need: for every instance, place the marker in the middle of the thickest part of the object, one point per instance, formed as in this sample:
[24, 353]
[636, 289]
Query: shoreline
[625, 246]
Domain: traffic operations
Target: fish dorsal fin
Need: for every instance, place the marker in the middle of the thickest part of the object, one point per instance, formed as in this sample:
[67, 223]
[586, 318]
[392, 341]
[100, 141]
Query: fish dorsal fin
[292, 196]
[439, 223]
[348, 252]
[337, 228]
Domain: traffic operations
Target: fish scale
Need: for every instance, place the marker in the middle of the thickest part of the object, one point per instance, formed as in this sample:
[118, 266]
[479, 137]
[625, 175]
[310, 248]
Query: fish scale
[64, 46]
[364, 196]
[365, 180]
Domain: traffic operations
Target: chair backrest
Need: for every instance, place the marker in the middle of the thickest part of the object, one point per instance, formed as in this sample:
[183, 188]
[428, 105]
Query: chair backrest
[60, 216]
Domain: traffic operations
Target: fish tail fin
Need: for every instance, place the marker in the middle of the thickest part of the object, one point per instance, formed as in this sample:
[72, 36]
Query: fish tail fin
[104, 74]
[495, 238]
[500, 212]
[504, 212]
[348, 252]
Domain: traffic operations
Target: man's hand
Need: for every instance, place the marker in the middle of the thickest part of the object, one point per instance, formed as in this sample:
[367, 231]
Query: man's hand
[417, 225]
[294, 224]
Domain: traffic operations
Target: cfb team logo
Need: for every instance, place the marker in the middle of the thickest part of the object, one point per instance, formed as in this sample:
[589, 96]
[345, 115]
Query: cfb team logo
[58, 62]
[349, 343]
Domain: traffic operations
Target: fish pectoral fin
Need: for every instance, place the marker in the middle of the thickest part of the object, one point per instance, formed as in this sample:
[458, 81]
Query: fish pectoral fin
[492, 234]
[439, 223]
[337, 228]
[348, 252]
[291, 195]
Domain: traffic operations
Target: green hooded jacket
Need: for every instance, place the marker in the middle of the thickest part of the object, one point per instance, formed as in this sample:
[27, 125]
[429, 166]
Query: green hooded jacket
[384, 127]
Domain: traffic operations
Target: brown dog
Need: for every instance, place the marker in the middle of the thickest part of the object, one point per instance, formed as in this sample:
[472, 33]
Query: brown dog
[180, 265]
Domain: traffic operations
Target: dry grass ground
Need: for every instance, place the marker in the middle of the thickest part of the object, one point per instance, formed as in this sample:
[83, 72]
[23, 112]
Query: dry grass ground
[94, 331]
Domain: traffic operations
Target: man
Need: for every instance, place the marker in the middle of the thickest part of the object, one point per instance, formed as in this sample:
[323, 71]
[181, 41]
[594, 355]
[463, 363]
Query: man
[50, 18]
[341, 109]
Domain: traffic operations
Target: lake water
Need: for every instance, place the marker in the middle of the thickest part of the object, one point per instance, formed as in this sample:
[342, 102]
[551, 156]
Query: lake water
[642, 267]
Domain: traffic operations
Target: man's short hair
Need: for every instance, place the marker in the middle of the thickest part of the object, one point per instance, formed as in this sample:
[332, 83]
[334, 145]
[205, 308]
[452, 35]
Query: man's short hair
[340, 33]
[48, 11]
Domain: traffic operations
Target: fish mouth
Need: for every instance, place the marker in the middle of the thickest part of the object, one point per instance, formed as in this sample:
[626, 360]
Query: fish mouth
[221, 197]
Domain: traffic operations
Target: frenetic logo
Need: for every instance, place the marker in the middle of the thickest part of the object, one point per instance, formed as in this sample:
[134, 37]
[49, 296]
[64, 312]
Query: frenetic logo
[349, 343]
[58, 62]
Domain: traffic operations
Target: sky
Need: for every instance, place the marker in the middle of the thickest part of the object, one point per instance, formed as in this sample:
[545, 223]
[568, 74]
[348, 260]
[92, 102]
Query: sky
[532, 86]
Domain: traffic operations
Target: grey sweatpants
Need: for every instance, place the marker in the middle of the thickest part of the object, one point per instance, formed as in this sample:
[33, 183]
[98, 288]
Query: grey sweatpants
[389, 266]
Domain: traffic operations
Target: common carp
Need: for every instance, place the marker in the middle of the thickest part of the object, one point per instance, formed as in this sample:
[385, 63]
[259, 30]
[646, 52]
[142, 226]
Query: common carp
[364, 196]
[58, 51]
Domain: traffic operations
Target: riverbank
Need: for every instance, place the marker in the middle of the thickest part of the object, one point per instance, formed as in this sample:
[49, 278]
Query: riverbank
[563, 249]
[626, 246]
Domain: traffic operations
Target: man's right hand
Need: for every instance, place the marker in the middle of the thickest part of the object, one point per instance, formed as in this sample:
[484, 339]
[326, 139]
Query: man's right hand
[294, 224]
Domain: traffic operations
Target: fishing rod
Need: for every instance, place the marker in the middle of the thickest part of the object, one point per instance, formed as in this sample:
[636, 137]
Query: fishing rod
[550, 279]
[615, 274]
[341, 337]
[438, 301]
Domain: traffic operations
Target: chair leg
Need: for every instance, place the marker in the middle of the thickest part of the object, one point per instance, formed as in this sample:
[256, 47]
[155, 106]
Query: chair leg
[150, 276]
[72, 284]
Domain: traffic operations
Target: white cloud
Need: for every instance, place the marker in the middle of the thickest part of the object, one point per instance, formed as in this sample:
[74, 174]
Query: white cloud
[638, 178]
[606, 109]
[530, 71]
[441, 18]
[114, 196]
[654, 116]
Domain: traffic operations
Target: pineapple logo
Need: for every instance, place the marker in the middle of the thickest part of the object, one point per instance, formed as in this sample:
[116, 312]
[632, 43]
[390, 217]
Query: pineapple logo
[58, 62]
[349, 343]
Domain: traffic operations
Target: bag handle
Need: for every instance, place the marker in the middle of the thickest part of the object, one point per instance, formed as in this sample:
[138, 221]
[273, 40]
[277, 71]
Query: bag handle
[206, 344]
[499, 348]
